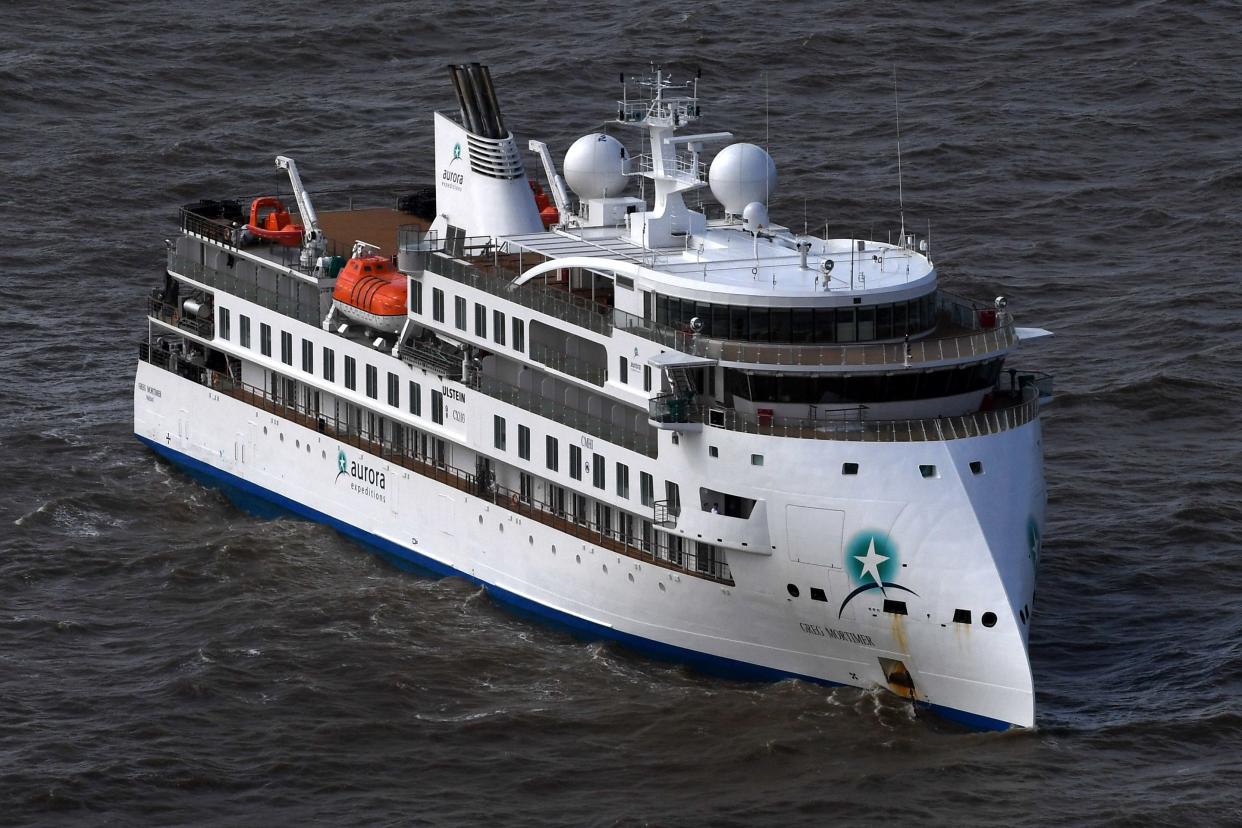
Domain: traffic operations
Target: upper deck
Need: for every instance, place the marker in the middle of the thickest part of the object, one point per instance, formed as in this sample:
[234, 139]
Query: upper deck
[729, 263]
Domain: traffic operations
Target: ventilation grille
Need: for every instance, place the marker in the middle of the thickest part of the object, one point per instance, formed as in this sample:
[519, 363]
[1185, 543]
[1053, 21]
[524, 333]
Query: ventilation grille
[495, 158]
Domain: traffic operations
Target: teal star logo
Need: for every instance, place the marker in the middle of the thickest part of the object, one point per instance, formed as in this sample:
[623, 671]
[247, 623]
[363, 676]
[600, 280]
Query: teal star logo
[871, 561]
[342, 463]
[456, 152]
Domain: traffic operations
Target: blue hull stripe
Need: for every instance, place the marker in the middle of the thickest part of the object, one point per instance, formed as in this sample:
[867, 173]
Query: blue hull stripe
[261, 501]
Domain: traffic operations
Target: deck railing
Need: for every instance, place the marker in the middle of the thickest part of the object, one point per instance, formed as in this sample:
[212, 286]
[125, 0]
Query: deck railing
[403, 453]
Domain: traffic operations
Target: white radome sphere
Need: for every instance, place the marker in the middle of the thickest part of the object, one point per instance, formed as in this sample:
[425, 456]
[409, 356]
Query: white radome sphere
[595, 166]
[741, 174]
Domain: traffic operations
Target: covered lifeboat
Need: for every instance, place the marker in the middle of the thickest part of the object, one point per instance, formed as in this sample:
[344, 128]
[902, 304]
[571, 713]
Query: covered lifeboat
[372, 292]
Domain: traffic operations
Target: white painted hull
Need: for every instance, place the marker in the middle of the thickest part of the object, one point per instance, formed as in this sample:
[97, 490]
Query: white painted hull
[964, 541]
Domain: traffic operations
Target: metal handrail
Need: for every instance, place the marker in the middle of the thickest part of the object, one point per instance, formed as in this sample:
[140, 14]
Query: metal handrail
[163, 311]
[573, 366]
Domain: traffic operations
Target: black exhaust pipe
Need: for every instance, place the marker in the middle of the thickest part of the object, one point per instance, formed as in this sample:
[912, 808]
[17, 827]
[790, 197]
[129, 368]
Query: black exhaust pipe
[463, 86]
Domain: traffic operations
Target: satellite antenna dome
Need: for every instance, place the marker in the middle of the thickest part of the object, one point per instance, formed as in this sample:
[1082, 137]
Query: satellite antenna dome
[755, 217]
[741, 174]
[595, 166]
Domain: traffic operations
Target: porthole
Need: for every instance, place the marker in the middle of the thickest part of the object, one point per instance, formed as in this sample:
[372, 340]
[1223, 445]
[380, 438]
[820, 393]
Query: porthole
[265, 430]
[308, 448]
[604, 567]
[323, 453]
[530, 539]
[554, 549]
[297, 443]
[989, 619]
[927, 471]
[793, 590]
[756, 459]
[282, 436]
[817, 594]
[961, 616]
[849, 468]
[712, 451]
[661, 585]
[976, 467]
[578, 558]
[480, 520]
[500, 527]
[631, 577]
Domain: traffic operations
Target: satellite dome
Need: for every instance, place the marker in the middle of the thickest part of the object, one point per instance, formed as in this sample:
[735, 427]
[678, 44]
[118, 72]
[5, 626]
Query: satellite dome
[595, 166]
[741, 174]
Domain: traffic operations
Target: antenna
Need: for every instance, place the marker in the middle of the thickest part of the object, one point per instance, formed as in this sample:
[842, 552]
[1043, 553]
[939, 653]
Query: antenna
[901, 201]
[767, 181]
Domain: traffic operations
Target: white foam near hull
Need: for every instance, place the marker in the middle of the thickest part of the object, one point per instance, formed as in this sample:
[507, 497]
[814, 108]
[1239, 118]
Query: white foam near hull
[957, 540]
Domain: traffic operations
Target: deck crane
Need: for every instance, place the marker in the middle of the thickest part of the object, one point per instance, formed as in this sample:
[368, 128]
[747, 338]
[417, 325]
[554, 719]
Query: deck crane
[313, 244]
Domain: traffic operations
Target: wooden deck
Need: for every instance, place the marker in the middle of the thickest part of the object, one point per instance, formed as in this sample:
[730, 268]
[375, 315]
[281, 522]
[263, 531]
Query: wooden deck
[373, 225]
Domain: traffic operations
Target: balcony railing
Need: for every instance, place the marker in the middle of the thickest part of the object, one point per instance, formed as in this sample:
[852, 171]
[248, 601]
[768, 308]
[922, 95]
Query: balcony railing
[405, 454]
[294, 296]
[574, 367]
[1011, 412]
[173, 315]
[642, 441]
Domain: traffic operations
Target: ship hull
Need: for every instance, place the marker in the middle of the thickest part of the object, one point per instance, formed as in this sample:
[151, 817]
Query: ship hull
[748, 630]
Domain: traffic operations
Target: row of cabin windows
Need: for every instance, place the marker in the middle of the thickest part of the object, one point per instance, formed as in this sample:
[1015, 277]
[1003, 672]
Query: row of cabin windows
[862, 388]
[800, 325]
[414, 397]
[598, 467]
[500, 331]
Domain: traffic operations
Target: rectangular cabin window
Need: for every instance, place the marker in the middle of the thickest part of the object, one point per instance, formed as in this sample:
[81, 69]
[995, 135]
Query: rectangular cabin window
[394, 390]
[550, 453]
[846, 331]
[575, 462]
[286, 347]
[480, 321]
[760, 321]
[372, 382]
[437, 304]
[308, 356]
[498, 327]
[866, 324]
[523, 442]
[825, 325]
[884, 322]
[225, 333]
[499, 432]
[459, 313]
[672, 493]
[782, 325]
[416, 296]
[265, 339]
[437, 407]
[351, 373]
[646, 489]
[625, 370]
[599, 471]
[416, 399]
[519, 335]
[646, 377]
[625, 282]
[245, 331]
[623, 480]
[329, 364]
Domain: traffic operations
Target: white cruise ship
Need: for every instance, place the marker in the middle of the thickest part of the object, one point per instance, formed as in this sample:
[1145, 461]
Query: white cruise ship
[626, 400]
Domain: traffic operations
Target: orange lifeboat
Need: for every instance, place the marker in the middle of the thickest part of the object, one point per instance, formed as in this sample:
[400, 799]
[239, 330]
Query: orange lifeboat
[371, 291]
[271, 221]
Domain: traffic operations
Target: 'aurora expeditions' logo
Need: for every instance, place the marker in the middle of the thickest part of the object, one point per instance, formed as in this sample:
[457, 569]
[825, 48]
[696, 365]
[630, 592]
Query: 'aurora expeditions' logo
[365, 479]
[871, 561]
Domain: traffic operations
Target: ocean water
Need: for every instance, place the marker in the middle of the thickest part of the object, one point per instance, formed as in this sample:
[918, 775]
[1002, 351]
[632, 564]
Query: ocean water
[168, 659]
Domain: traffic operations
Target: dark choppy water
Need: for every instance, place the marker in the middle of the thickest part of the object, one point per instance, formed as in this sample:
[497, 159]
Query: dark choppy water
[167, 659]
